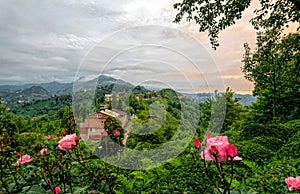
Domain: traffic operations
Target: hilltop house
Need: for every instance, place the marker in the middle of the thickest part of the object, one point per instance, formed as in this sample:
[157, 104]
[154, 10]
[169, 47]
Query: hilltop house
[108, 98]
[93, 125]
[140, 96]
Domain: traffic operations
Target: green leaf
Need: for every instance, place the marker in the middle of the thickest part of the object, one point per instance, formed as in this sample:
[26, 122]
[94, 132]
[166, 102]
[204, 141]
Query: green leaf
[217, 192]
[247, 190]
[234, 192]
[11, 186]
[24, 189]
[78, 190]
[36, 189]
[252, 165]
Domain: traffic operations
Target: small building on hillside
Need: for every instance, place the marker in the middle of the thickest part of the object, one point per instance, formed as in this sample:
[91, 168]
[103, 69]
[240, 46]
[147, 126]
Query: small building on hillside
[93, 125]
[108, 98]
[140, 96]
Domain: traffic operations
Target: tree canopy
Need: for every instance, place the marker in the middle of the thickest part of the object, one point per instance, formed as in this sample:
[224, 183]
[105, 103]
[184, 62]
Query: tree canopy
[215, 16]
[274, 69]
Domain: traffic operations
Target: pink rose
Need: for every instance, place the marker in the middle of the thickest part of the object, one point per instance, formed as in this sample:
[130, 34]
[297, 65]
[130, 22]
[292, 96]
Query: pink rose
[217, 149]
[43, 151]
[116, 133]
[231, 151]
[57, 190]
[24, 159]
[196, 143]
[104, 133]
[293, 183]
[67, 142]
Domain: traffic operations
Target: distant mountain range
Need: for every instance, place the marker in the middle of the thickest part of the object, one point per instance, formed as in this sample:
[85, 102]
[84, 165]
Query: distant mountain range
[53, 88]
[245, 99]
[31, 92]
[84, 84]
[34, 91]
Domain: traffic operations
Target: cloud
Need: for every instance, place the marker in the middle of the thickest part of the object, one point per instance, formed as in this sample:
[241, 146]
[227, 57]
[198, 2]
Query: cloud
[145, 53]
[42, 41]
[239, 85]
[48, 35]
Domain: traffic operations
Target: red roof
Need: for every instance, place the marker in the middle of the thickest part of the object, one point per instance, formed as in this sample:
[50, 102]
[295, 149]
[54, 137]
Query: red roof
[93, 123]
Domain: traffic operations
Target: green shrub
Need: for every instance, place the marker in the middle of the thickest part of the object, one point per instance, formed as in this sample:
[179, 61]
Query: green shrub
[279, 131]
[271, 177]
[255, 152]
[291, 148]
[271, 143]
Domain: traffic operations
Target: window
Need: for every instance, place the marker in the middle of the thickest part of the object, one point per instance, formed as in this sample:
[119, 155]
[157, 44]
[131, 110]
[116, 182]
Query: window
[99, 116]
[92, 130]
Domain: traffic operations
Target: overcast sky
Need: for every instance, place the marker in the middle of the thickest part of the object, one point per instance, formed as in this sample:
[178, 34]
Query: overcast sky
[134, 40]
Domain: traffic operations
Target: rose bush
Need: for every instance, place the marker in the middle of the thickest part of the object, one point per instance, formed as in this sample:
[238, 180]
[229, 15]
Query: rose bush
[68, 142]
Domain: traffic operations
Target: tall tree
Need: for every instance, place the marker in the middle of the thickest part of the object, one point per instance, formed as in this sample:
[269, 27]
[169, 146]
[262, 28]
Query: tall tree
[67, 120]
[275, 71]
[220, 113]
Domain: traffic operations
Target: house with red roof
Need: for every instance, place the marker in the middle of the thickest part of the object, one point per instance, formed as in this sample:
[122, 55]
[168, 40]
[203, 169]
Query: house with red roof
[93, 125]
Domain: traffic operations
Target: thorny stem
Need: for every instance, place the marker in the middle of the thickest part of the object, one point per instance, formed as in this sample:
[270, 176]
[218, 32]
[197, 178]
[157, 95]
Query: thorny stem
[69, 177]
[63, 174]
[220, 169]
[49, 182]
[210, 177]
[231, 178]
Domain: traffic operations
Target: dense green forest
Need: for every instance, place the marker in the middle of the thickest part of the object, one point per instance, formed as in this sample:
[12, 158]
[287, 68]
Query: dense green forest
[269, 149]
[173, 144]
[266, 135]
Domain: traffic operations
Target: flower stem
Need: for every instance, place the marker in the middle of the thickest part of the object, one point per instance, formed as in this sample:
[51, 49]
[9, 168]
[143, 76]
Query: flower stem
[220, 169]
[231, 178]
[63, 174]
[51, 182]
[209, 175]
[48, 182]
[69, 177]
